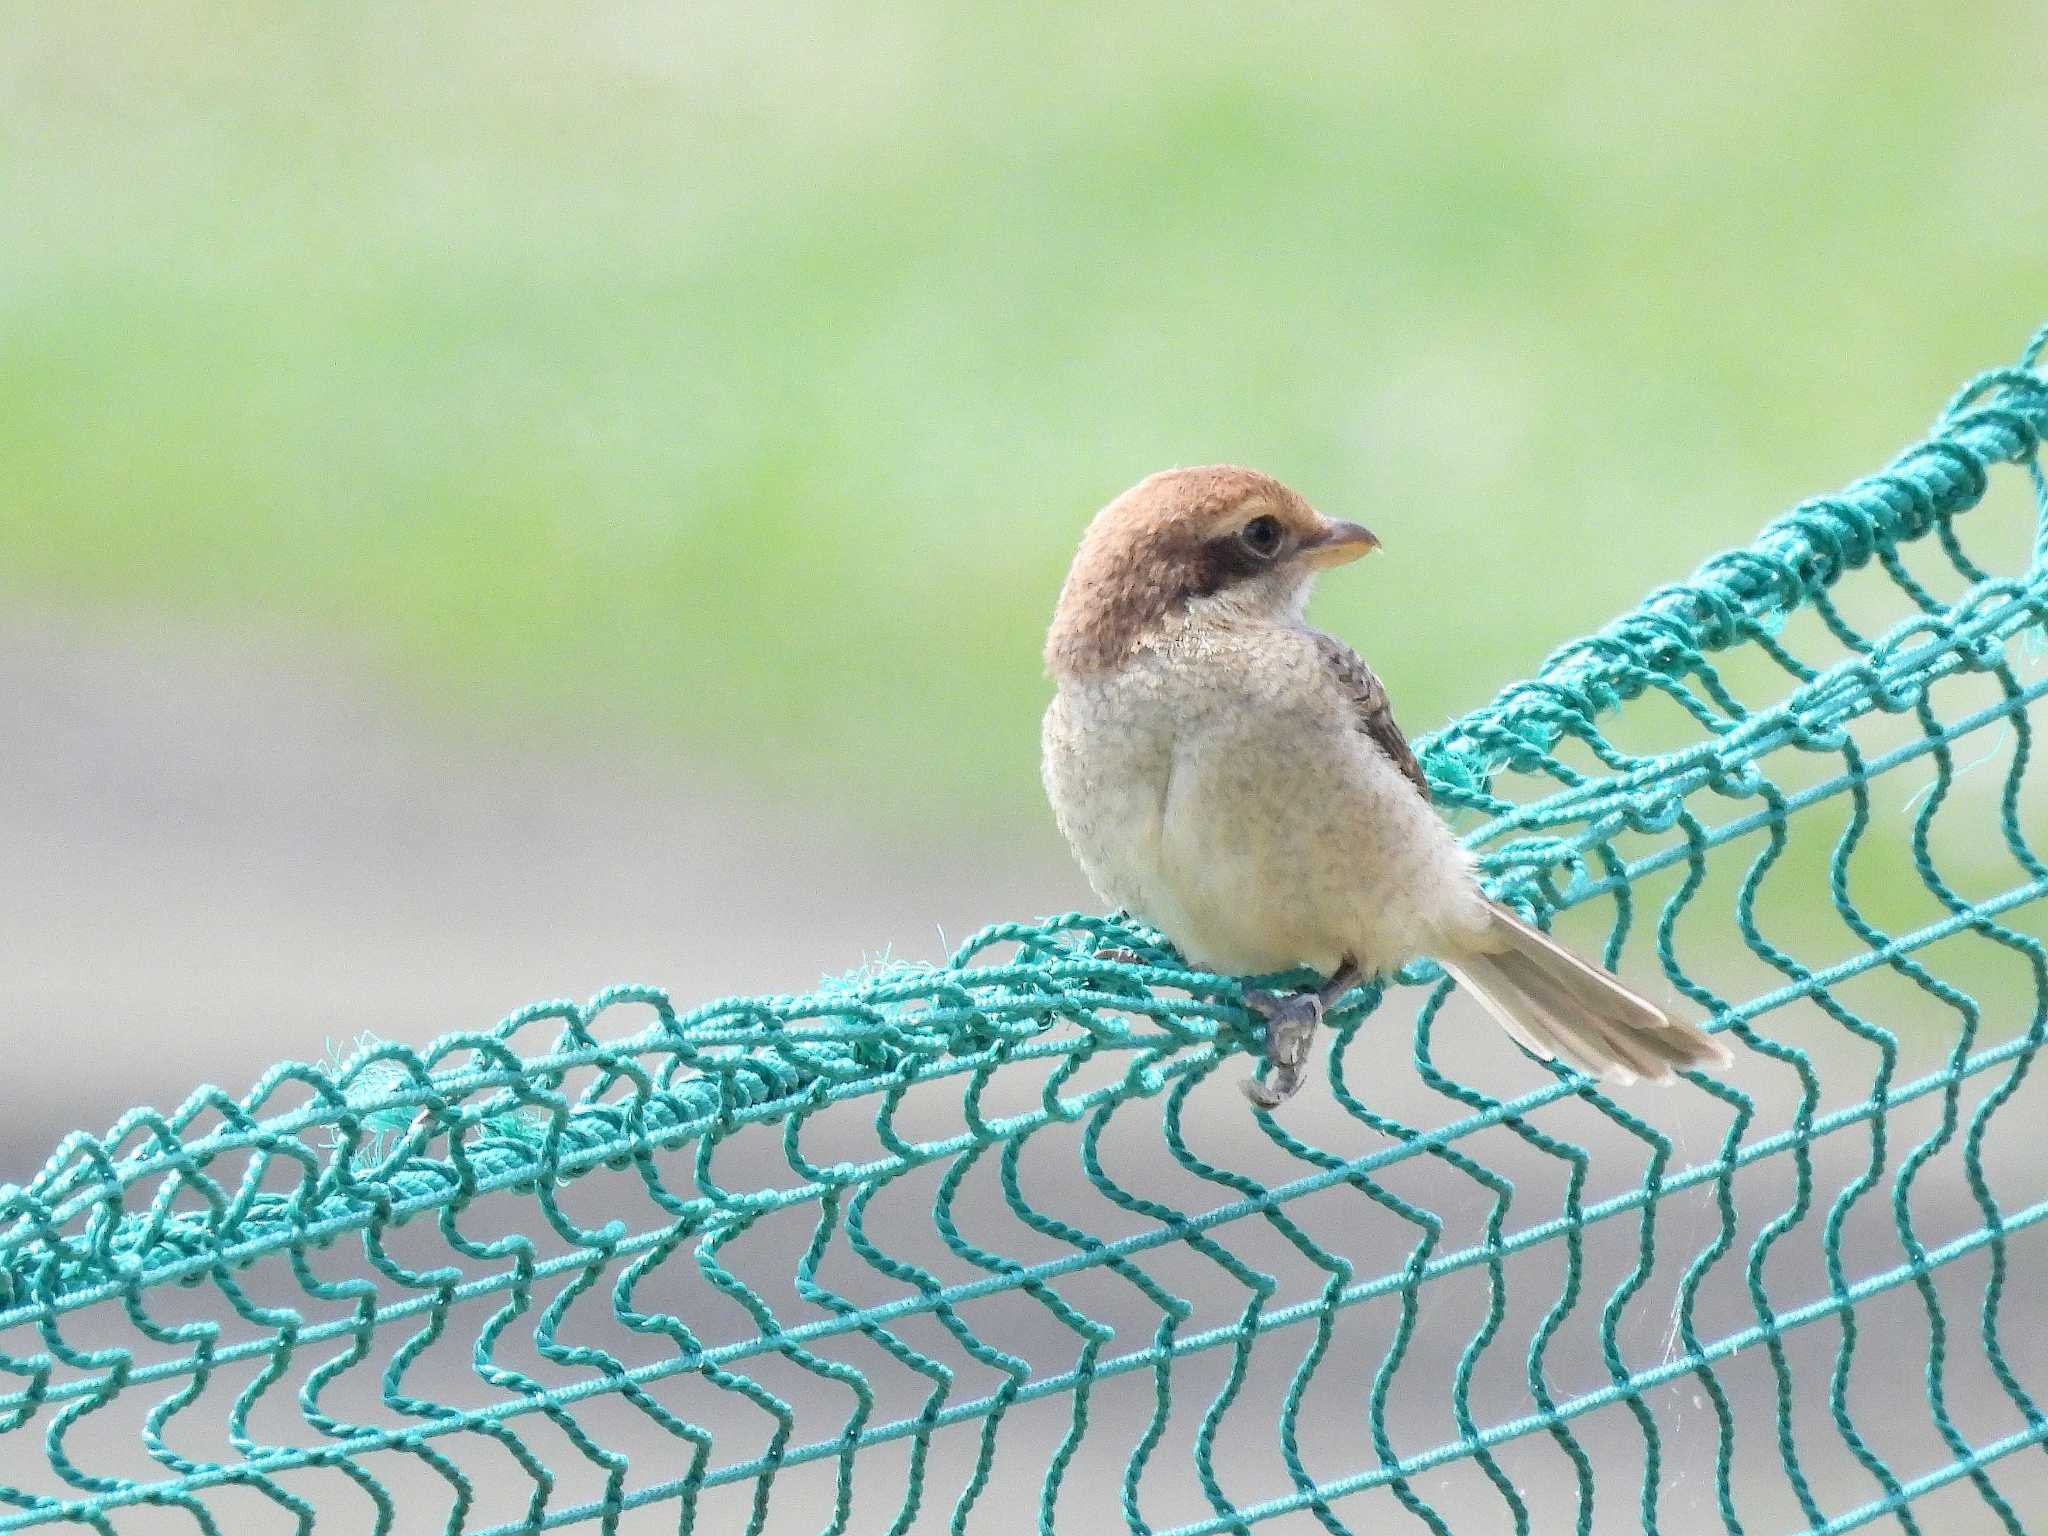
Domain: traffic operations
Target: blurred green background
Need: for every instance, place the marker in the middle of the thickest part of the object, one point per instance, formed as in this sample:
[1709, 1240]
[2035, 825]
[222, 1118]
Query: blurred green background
[496, 502]
[738, 378]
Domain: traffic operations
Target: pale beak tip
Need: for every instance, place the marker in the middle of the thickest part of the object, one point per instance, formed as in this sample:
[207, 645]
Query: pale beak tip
[1342, 542]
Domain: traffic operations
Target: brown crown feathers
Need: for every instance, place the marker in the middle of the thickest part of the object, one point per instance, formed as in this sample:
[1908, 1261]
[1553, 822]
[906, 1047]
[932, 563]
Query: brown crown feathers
[1176, 536]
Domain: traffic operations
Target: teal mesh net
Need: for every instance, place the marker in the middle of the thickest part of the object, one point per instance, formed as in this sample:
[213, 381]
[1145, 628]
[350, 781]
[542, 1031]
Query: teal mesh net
[997, 1242]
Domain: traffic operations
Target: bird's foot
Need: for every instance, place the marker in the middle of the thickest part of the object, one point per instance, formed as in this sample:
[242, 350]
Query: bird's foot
[1290, 1031]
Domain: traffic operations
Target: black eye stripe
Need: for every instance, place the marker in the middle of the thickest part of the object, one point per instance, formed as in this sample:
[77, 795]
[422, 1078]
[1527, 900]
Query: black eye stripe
[1219, 563]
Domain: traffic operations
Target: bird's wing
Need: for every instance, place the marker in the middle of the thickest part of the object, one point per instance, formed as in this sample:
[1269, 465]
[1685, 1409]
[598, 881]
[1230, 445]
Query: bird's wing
[1374, 716]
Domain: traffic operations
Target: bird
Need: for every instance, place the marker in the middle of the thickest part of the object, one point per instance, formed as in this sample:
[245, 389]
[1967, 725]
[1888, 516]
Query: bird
[1235, 779]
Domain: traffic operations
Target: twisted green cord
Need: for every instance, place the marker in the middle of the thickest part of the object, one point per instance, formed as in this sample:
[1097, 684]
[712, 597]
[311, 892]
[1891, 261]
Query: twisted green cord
[347, 1225]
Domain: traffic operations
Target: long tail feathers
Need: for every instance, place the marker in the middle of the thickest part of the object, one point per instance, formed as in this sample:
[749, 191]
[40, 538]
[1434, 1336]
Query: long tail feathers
[1563, 1008]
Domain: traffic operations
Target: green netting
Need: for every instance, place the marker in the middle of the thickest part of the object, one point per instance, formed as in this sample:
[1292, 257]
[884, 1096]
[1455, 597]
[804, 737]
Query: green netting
[998, 1241]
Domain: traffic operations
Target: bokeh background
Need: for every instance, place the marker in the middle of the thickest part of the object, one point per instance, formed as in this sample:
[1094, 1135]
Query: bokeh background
[495, 503]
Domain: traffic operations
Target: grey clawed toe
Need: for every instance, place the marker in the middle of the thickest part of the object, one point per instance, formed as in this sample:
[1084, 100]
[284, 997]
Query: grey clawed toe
[1290, 1033]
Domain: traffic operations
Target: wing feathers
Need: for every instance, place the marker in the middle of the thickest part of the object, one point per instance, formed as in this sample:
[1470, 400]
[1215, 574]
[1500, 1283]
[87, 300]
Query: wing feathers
[1375, 717]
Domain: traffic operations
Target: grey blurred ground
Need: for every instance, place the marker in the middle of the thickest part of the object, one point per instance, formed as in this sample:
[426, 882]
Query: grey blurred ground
[215, 855]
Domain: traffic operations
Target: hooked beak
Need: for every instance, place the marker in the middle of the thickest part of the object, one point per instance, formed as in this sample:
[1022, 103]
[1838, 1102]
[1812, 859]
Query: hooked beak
[1338, 544]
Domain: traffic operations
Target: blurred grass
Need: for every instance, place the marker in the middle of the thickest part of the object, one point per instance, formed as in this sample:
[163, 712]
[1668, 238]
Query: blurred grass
[742, 377]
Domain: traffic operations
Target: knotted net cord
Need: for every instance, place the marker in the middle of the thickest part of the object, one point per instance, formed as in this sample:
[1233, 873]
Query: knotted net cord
[950, 1247]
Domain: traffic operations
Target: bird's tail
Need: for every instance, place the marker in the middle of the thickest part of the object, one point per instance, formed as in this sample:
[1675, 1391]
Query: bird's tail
[1563, 1008]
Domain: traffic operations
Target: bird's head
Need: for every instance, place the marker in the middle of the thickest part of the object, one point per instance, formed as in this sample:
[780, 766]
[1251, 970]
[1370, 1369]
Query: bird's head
[1191, 543]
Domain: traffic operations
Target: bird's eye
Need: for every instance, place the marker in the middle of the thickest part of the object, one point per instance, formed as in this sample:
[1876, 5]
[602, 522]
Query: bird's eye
[1261, 536]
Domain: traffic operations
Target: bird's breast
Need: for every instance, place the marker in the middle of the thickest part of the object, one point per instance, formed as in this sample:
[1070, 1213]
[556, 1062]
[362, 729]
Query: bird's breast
[1228, 797]
[1109, 746]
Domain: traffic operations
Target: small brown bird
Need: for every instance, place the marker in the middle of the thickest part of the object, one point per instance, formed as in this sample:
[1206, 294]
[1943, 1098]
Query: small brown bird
[1235, 778]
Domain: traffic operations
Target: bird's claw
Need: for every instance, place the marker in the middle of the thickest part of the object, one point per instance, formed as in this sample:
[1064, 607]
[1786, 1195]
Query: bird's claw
[1290, 1031]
